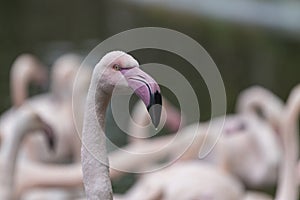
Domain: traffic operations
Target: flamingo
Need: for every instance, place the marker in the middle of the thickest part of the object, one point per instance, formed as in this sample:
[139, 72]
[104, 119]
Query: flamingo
[26, 121]
[25, 68]
[287, 187]
[259, 100]
[191, 180]
[70, 175]
[245, 131]
[264, 138]
[68, 145]
[260, 155]
[257, 161]
[115, 68]
[55, 107]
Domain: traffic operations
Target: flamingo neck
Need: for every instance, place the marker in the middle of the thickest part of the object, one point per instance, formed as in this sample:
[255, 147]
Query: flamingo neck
[19, 82]
[94, 156]
[9, 153]
[288, 187]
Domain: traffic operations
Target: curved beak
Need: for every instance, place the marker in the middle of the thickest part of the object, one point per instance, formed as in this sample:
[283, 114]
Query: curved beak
[147, 90]
[49, 135]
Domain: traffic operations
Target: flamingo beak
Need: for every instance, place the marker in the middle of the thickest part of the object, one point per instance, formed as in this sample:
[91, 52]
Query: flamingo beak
[146, 88]
[50, 136]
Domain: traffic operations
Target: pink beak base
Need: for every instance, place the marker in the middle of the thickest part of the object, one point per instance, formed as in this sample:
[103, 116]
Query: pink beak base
[147, 89]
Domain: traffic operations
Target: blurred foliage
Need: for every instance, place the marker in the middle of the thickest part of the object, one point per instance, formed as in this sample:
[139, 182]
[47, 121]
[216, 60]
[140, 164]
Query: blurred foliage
[245, 55]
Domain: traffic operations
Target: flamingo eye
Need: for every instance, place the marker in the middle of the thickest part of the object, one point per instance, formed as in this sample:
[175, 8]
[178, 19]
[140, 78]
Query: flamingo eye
[116, 67]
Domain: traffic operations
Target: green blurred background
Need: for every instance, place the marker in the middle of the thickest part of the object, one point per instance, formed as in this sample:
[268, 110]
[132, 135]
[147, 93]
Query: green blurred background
[245, 54]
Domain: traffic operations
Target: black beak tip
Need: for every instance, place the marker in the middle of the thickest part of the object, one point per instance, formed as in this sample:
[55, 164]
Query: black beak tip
[154, 108]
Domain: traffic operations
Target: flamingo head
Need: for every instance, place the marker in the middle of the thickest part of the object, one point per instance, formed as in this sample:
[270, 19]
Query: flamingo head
[122, 70]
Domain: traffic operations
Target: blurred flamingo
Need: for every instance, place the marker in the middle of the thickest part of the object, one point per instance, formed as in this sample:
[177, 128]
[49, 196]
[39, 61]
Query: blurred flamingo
[26, 121]
[190, 180]
[287, 187]
[26, 68]
[254, 163]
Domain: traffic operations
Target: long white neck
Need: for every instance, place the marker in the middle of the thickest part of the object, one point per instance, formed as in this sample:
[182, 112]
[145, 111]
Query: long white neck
[26, 68]
[94, 156]
[288, 187]
[19, 82]
[9, 152]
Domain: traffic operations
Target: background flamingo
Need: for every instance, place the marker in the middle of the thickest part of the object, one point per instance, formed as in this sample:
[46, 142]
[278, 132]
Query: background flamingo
[25, 122]
[253, 136]
[288, 128]
[57, 101]
[55, 107]
[185, 181]
[26, 68]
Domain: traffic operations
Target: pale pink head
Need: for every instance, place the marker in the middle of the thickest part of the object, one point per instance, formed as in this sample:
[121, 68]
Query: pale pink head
[118, 65]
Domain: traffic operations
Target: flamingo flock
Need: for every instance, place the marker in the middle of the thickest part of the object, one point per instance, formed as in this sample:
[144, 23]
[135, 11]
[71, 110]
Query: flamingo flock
[258, 148]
